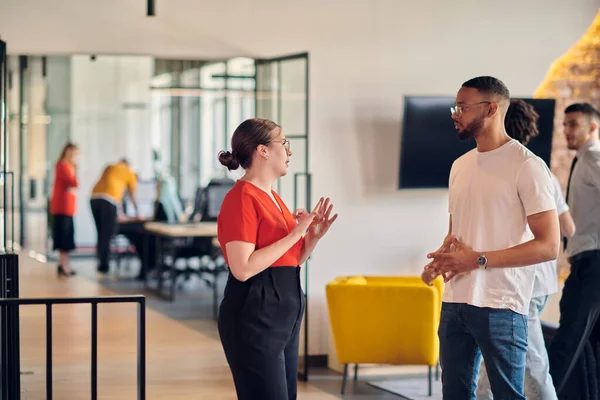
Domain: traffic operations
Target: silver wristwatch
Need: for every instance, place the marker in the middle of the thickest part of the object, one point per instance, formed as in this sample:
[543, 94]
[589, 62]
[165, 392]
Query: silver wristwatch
[482, 261]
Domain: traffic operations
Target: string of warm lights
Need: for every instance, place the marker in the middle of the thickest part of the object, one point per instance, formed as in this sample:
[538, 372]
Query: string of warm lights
[577, 73]
[575, 76]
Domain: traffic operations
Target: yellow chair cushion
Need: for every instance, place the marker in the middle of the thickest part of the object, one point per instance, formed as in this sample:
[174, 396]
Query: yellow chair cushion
[385, 319]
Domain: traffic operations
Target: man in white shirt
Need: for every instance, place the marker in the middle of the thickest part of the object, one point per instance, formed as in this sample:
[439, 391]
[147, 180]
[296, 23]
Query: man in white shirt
[502, 221]
[521, 124]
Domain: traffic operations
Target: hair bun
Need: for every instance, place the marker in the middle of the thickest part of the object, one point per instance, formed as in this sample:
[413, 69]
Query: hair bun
[228, 159]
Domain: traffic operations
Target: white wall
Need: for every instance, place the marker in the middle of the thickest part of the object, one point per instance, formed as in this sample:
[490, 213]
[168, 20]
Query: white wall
[104, 130]
[364, 57]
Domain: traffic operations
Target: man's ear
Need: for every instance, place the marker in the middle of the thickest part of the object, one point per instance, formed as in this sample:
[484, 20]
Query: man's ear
[493, 109]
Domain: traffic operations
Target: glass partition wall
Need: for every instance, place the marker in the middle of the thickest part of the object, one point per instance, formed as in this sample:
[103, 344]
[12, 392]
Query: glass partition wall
[208, 102]
[164, 116]
[27, 124]
[168, 116]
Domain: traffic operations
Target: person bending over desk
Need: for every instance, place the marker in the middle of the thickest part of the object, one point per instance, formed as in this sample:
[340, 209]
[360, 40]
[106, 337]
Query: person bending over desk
[106, 198]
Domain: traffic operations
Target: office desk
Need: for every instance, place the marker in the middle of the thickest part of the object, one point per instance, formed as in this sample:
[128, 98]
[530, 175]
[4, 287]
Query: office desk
[133, 230]
[200, 229]
[162, 230]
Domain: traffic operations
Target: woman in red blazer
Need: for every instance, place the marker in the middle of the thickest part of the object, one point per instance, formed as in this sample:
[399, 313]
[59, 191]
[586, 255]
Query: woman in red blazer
[62, 207]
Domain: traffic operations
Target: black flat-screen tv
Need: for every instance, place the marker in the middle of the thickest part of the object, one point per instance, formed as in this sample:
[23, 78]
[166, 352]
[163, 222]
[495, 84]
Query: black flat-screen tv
[429, 143]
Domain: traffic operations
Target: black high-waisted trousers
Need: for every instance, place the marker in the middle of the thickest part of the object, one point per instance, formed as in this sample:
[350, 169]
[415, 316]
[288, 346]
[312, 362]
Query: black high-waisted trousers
[259, 326]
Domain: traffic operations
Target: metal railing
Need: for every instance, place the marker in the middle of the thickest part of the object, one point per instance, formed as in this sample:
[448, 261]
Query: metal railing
[11, 348]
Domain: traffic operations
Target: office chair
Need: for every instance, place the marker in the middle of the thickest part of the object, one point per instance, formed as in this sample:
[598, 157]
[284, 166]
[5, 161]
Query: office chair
[207, 203]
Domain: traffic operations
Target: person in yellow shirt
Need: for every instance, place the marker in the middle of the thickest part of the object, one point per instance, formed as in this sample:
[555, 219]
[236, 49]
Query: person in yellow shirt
[106, 198]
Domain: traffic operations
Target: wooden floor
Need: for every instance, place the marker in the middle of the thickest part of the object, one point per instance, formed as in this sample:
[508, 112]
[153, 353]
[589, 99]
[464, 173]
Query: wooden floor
[182, 363]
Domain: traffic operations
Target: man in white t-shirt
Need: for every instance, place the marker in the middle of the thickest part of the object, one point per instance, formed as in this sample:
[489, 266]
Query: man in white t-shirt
[521, 124]
[502, 222]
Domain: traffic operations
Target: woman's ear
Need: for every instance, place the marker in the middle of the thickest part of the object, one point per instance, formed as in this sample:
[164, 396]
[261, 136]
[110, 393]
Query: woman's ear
[262, 151]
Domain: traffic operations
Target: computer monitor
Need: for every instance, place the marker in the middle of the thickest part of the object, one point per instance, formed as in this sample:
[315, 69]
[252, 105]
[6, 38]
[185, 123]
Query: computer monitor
[145, 195]
[214, 196]
[209, 199]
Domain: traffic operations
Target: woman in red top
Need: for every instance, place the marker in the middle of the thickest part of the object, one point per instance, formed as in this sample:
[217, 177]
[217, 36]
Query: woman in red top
[62, 207]
[264, 244]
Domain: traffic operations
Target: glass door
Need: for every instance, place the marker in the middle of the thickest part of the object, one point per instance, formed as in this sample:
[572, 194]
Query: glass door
[281, 95]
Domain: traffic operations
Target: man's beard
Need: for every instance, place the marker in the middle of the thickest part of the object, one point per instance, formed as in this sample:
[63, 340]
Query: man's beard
[471, 130]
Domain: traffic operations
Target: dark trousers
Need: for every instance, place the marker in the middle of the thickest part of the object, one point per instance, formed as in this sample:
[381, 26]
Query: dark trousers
[579, 310]
[259, 326]
[105, 217]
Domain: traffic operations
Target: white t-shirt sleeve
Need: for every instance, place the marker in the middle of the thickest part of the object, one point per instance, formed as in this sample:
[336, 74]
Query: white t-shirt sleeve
[561, 204]
[535, 187]
[450, 180]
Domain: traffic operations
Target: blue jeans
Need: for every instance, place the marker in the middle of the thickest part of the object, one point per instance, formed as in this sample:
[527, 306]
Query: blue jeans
[538, 382]
[466, 332]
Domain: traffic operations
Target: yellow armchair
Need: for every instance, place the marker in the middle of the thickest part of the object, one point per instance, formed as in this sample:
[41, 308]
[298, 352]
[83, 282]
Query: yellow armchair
[385, 320]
